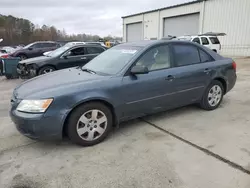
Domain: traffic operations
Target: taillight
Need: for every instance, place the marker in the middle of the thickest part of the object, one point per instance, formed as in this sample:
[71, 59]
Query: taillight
[5, 56]
[234, 65]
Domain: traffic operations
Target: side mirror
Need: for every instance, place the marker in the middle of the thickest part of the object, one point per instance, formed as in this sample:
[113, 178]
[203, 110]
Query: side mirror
[30, 48]
[66, 55]
[139, 69]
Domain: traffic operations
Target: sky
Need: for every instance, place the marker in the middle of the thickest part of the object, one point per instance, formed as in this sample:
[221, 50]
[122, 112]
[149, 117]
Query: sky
[100, 17]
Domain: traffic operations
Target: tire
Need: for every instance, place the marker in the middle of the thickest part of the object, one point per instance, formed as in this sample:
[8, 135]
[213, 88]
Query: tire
[211, 101]
[46, 69]
[87, 131]
[22, 57]
[8, 76]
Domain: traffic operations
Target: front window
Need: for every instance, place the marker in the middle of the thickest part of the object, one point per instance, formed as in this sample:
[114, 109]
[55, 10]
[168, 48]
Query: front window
[156, 58]
[204, 41]
[113, 60]
[58, 51]
[197, 40]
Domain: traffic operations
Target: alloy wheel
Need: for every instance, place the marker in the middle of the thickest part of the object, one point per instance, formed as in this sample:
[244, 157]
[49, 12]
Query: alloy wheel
[48, 70]
[91, 125]
[214, 95]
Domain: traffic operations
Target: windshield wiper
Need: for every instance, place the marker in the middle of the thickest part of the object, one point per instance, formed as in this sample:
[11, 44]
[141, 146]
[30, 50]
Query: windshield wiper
[88, 70]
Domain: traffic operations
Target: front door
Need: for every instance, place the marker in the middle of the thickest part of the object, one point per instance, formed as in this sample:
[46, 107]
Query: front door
[73, 58]
[147, 93]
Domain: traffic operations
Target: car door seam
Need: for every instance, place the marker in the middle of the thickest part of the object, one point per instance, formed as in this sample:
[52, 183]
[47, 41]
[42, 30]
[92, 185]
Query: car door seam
[185, 90]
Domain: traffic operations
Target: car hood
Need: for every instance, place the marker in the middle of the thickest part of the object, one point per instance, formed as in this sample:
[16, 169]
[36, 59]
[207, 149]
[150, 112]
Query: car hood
[55, 83]
[35, 60]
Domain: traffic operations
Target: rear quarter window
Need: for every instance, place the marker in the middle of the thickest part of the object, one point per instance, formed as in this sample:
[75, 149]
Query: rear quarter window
[214, 40]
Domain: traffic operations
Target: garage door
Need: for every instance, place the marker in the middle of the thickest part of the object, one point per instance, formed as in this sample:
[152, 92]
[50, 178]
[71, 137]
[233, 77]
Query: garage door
[182, 25]
[134, 32]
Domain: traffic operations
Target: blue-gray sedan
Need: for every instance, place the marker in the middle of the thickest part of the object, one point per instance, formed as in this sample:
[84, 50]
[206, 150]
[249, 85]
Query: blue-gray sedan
[125, 82]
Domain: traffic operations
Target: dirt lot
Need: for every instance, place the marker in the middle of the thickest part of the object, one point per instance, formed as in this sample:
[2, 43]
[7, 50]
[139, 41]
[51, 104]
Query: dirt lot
[183, 148]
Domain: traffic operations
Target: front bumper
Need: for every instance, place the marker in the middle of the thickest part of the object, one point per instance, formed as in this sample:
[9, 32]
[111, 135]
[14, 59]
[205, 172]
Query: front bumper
[26, 70]
[38, 126]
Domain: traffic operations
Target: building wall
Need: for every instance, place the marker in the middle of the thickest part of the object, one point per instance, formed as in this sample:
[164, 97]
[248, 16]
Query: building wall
[229, 16]
[233, 18]
[182, 10]
[151, 25]
[129, 20]
[153, 22]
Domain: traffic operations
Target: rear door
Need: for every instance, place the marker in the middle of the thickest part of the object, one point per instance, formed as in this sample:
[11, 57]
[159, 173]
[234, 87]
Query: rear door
[216, 46]
[72, 58]
[35, 50]
[191, 73]
[93, 51]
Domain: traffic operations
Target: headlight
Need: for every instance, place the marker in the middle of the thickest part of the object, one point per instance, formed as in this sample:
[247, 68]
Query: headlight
[34, 106]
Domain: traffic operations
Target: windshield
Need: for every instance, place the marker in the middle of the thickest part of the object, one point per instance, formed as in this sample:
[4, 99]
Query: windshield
[58, 51]
[113, 60]
[29, 45]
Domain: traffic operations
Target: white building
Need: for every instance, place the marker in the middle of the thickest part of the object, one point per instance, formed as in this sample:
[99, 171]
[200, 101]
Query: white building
[228, 16]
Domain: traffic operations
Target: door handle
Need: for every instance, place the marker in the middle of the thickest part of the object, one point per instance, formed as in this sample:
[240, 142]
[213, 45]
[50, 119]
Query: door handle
[169, 78]
[83, 58]
[207, 71]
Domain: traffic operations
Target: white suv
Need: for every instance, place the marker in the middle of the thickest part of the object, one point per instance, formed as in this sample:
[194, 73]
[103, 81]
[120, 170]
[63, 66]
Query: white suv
[209, 41]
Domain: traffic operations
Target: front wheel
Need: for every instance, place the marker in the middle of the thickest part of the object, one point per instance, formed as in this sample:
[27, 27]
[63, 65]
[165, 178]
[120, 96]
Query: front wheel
[89, 124]
[46, 69]
[213, 96]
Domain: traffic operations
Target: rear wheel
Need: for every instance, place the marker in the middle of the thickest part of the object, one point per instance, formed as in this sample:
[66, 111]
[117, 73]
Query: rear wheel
[89, 124]
[213, 96]
[46, 69]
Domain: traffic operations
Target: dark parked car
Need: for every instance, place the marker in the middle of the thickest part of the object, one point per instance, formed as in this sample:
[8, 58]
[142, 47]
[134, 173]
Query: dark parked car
[35, 49]
[125, 82]
[61, 58]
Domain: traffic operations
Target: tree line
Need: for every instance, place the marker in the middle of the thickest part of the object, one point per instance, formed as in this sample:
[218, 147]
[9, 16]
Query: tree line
[16, 31]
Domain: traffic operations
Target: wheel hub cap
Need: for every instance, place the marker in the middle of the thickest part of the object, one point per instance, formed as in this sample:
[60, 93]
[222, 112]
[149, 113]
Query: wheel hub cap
[214, 95]
[91, 125]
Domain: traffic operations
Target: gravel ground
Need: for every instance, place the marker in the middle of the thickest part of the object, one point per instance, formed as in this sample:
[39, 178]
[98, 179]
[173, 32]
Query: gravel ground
[183, 148]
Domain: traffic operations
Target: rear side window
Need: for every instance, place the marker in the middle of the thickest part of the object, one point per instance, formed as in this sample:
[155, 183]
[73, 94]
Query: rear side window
[197, 40]
[214, 40]
[48, 45]
[37, 45]
[186, 54]
[94, 50]
[205, 57]
[204, 41]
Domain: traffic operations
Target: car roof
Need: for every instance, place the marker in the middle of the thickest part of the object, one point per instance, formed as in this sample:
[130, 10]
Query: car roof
[148, 43]
[85, 45]
[44, 42]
